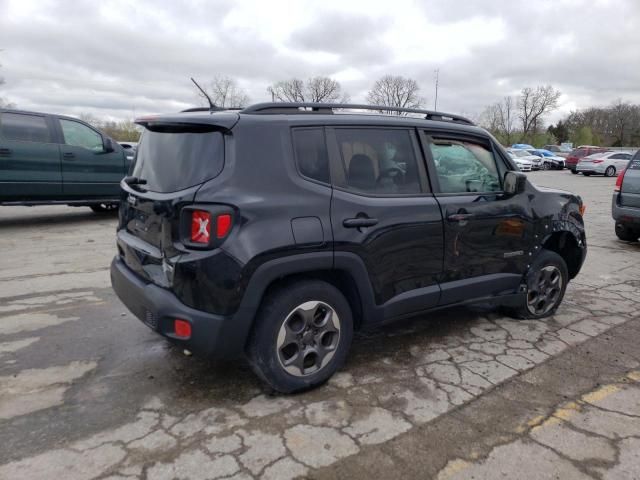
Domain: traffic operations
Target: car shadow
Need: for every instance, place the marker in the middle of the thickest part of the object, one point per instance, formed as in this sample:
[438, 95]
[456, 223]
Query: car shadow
[71, 216]
[207, 379]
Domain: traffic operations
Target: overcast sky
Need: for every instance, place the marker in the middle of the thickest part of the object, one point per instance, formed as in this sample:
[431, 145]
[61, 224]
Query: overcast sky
[118, 59]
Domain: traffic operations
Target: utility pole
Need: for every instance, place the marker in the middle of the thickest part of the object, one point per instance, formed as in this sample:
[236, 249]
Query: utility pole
[437, 74]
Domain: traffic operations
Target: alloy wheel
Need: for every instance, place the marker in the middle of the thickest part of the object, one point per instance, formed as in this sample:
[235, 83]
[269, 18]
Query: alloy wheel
[308, 338]
[544, 290]
[610, 171]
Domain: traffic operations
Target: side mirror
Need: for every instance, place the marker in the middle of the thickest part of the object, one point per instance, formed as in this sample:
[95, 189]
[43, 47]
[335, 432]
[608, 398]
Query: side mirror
[514, 182]
[107, 143]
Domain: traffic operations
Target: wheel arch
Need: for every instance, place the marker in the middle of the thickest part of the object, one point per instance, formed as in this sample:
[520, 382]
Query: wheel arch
[565, 244]
[346, 272]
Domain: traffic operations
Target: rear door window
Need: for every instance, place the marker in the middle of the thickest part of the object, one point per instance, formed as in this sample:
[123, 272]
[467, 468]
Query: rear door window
[25, 128]
[379, 161]
[172, 158]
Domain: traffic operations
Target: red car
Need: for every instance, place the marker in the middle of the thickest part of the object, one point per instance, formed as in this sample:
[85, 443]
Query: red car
[576, 154]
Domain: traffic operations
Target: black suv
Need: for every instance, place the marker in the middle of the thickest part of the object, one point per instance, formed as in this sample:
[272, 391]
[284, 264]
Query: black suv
[277, 230]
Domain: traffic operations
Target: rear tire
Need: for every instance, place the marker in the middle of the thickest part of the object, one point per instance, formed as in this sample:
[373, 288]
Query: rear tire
[301, 335]
[104, 207]
[626, 234]
[610, 171]
[547, 281]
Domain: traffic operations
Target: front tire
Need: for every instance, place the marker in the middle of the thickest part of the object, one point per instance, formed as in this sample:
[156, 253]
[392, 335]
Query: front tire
[546, 166]
[574, 171]
[546, 281]
[301, 335]
[625, 233]
[610, 171]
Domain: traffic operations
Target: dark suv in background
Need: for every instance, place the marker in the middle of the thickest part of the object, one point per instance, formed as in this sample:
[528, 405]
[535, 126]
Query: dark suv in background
[626, 201]
[52, 159]
[277, 230]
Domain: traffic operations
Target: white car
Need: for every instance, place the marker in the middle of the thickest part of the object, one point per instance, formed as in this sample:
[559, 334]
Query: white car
[523, 164]
[608, 164]
[519, 154]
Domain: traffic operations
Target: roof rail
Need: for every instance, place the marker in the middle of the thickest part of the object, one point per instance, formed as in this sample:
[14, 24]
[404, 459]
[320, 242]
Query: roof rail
[329, 108]
[202, 109]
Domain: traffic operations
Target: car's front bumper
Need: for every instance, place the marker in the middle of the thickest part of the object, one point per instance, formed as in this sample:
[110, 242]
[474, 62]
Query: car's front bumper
[211, 335]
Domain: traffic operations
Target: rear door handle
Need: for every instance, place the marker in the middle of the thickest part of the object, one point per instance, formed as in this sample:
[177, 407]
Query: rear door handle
[69, 155]
[359, 222]
[5, 152]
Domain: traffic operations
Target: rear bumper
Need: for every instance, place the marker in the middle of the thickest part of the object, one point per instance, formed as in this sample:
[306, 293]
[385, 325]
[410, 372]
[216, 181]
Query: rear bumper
[624, 214]
[211, 335]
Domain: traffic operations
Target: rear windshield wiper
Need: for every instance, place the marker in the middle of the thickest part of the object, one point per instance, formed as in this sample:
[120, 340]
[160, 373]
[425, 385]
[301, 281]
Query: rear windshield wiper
[134, 182]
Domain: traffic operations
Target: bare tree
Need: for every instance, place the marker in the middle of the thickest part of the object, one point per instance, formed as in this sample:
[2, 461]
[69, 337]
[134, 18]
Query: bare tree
[225, 93]
[396, 91]
[316, 89]
[534, 104]
[287, 91]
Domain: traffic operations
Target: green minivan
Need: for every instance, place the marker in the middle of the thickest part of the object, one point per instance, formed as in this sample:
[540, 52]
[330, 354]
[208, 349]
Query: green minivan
[53, 159]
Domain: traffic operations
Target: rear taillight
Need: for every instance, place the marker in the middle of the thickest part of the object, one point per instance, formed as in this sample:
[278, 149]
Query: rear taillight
[223, 225]
[619, 181]
[205, 226]
[597, 161]
[200, 227]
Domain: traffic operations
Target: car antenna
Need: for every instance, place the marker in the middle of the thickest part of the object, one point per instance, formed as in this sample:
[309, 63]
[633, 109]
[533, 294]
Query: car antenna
[212, 106]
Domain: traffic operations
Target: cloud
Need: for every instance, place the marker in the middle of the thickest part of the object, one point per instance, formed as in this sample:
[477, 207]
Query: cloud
[115, 58]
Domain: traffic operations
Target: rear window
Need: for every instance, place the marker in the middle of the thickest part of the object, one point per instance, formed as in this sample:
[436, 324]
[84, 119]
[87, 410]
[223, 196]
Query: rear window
[634, 164]
[26, 128]
[176, 158]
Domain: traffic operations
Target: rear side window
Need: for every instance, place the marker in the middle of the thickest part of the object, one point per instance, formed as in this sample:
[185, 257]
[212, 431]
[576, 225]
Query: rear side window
[79, 135]
[465, 167]
[176, 158]
[378, 161]
[25, 128]
[634, 164]
[311, 153]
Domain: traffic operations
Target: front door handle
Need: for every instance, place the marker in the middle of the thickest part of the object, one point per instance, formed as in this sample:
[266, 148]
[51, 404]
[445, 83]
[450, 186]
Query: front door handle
[5, 152]
[69, 155]
[460, 217]
[359, 222]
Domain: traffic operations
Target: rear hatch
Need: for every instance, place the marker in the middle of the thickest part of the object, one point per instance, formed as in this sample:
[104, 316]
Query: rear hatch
[630, 191]
[173, 160]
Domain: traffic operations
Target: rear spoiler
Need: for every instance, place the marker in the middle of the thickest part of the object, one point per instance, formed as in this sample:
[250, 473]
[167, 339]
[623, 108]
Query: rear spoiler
[206, 121]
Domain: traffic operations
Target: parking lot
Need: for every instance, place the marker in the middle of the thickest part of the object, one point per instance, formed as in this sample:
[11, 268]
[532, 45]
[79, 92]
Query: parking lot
[87, 391]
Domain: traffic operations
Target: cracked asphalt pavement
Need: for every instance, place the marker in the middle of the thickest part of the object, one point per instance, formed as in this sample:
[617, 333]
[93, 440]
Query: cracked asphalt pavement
[87, 391]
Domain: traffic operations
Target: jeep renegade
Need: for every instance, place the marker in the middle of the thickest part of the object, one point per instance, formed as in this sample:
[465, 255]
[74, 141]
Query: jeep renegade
[277, 230]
